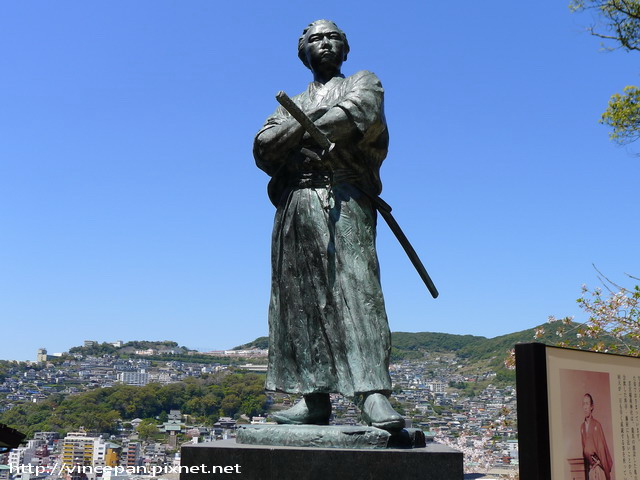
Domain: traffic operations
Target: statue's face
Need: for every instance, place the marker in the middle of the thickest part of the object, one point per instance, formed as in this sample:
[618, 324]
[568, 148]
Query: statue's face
[324, 47]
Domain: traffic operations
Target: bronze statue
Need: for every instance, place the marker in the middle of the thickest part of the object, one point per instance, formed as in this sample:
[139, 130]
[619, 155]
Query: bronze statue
[328, 329]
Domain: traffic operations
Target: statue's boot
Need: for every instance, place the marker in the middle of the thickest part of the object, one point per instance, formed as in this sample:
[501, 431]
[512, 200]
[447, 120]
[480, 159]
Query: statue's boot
[378, 412]
[313, 409]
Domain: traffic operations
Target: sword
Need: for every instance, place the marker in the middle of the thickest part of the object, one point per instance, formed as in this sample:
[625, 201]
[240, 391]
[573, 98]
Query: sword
[383, 207]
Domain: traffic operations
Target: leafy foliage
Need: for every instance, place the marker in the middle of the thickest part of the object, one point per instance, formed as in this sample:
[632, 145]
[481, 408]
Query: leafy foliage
[147, 428]
[180, 354]
[413, 346]
[623, 115]
[398, 354]
[619, 20]
[144, 344]
[202, 358]
[4, 369]
[96, 350]
[260, 342]
[613, 323]
[470, 347]
[105, 348]
[100, 410]
[618, 23]
[439, 342]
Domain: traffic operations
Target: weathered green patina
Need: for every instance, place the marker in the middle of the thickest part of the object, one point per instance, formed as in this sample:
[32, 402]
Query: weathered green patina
[328, 329]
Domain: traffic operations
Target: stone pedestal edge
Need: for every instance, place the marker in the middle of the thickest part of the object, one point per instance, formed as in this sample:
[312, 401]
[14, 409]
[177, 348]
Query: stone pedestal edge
[228, 459]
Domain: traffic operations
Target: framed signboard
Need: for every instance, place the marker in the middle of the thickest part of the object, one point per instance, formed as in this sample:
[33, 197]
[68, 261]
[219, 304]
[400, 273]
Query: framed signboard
[578, 414]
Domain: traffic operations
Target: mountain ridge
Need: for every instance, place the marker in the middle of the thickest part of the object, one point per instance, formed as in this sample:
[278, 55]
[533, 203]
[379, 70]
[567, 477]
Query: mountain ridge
[413, 345]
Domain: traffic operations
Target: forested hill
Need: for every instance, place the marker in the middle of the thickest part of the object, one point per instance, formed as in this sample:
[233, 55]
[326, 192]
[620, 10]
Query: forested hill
[260, 342]
[413, 345]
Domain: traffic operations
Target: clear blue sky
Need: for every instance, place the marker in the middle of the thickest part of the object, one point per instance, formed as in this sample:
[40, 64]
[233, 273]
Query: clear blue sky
[131, 207]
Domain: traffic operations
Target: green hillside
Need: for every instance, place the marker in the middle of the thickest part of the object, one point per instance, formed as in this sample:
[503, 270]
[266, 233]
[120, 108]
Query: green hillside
[441, 342]
[473, 350]
[205, 399]
[260, 342]
[413, 345]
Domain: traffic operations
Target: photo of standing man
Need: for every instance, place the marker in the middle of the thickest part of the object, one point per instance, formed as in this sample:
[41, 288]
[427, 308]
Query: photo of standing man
[597, 459]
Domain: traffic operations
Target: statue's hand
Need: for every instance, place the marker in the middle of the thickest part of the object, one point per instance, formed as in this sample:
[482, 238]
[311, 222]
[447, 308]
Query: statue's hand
[314, 114]
[311, 157]
[292, 127]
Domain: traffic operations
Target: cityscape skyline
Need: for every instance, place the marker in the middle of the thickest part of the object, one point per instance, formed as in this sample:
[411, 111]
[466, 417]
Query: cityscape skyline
[96, 408]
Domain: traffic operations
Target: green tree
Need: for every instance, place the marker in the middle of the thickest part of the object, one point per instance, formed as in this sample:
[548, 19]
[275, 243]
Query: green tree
[147, 428]
[617, 22]
[623, 115]
[230, 405]
[97, 349]
[99, 410]
[252, 406]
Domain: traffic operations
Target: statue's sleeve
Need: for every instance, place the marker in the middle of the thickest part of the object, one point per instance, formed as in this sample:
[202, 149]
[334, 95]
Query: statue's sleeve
[272, 144]
[363, 103]
[357, 118]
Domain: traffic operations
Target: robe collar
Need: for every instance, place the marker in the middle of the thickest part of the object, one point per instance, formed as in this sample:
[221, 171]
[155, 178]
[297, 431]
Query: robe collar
[316, 88]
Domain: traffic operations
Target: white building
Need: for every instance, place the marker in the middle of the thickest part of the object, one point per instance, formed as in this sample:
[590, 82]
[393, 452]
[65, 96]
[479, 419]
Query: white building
[140, 378]
[23, 455]
[42, 356]
[437, 387]
[99, 452]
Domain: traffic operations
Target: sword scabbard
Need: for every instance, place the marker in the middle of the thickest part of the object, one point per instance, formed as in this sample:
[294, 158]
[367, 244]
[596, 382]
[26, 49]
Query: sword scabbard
[383, 207]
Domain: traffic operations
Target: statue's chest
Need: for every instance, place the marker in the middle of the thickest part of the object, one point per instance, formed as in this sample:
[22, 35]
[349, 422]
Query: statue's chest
[329, 94]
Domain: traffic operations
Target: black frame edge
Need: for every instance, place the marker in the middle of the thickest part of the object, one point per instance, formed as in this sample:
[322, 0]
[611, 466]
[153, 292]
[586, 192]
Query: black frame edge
[533, 412]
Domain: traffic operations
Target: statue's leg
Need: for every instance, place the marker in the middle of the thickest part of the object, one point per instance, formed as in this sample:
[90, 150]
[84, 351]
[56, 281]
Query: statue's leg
[378, 412]
[313, 409]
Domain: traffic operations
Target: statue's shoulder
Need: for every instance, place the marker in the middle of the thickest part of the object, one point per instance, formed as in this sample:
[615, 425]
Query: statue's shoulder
[364, 75]
[303, 94]
[364, 79]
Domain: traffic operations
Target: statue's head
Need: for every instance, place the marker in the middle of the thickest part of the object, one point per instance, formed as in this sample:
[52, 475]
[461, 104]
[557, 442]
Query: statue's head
[322, 42]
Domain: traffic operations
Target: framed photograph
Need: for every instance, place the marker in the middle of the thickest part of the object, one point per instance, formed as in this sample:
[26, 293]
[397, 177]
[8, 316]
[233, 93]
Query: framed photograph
[578, 414]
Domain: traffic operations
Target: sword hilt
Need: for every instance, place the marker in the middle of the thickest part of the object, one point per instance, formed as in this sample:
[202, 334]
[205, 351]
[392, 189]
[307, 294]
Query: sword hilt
[310, 127]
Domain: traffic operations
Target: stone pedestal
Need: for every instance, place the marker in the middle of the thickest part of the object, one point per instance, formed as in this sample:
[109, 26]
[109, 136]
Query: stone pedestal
[329, 436]
[260, 462]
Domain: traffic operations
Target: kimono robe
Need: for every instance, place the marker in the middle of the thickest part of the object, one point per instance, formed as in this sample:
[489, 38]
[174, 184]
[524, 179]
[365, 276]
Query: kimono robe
[328, 329]
[597, 459]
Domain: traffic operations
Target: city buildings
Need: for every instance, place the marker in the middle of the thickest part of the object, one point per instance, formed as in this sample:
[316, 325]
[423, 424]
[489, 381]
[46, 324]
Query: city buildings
[430, 392]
